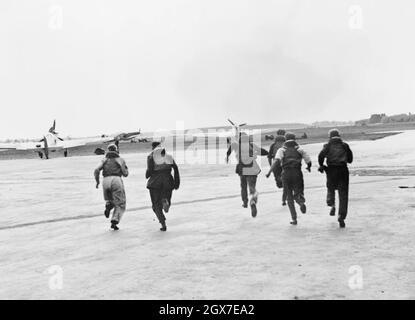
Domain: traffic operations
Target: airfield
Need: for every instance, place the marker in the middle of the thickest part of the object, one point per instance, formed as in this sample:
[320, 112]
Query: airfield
[52, 219]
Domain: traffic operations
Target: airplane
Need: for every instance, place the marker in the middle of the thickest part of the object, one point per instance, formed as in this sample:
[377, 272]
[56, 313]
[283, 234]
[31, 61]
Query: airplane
[51, 142]
[268, 133]
[121, 136]
[233, 133]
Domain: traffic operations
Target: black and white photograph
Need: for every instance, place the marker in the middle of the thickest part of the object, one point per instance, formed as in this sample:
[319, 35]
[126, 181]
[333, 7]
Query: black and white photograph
[194, 150]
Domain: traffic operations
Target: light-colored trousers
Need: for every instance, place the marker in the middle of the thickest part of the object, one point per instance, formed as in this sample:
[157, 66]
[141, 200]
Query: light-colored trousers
[114, 193]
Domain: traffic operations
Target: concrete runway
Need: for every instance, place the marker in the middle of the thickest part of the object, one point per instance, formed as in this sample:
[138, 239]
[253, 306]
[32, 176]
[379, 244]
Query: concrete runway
[52, 225]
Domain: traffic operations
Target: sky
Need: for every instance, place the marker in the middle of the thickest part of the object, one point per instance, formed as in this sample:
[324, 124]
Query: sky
[100, 66]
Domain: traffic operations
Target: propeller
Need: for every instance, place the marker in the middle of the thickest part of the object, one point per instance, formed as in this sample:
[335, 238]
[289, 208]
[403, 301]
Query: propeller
[236, 125]
[53, 128]
[237, 128]
[46, 147]
[232, 122]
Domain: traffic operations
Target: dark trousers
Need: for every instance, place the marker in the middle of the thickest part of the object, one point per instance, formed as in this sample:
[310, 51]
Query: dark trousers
[248, 182]
[278, 180]
[293, 182]
[157, 196]
[338, 179]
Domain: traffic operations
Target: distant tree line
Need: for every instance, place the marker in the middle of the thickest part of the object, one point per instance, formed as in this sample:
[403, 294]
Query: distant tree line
[383, 118]
[323, 124]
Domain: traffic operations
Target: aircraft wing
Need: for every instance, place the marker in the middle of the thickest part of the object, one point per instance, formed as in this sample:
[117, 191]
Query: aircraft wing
[20, 146]
[135, 135]
[4, 147]
[219, 134]
[228, 133]
[104, 139]
[262, 131]
[87, 141]
[67, 144]
[114, 137]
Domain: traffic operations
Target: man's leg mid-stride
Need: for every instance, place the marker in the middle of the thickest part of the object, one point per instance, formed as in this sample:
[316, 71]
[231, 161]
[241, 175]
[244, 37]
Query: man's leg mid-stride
[291, 205]
[343, 188]
[157, 205]
[114, 195]
[253, 194]
[331, 189]
[331, 200]
[108, 198]
[244, 191]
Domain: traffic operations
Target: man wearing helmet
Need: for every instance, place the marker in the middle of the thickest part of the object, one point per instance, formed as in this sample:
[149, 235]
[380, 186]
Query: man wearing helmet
[290, 157]
[337, 155]
[113, 167]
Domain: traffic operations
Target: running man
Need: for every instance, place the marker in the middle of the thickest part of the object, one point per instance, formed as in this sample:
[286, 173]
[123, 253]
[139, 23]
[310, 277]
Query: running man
[290, 157]
[113, 167]
[247, 168]
[337, 155]
[160, 181]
